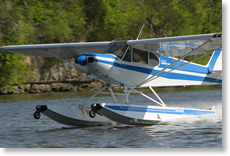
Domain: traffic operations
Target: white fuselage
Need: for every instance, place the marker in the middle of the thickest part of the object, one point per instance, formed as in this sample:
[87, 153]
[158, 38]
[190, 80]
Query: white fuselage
[110, 69]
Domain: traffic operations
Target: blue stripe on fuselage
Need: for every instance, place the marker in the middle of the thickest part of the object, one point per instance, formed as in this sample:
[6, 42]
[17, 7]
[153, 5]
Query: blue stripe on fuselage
[189, 68]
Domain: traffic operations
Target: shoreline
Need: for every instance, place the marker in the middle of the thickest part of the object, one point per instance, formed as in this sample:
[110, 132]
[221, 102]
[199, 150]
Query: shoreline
[78, 86]
[51, 87]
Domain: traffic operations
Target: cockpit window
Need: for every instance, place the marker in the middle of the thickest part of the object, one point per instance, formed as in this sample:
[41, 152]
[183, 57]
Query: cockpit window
[129, 54]
[140, 56]
[153, 60]
[144, 57]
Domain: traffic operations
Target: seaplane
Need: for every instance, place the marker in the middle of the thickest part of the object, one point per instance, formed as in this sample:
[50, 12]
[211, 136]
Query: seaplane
[132, 64]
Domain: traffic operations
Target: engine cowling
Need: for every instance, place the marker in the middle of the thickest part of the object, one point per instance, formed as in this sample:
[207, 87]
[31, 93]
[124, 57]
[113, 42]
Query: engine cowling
[81, 59]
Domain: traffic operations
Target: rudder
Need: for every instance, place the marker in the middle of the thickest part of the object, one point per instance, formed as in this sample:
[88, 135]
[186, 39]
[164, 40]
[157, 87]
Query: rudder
[215, 62]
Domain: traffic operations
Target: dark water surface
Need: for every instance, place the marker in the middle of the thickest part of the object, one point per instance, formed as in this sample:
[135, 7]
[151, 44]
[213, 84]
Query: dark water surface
[19, 128]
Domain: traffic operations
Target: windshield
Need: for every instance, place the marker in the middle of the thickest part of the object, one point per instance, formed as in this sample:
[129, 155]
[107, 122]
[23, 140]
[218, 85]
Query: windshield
[129, 54]
[117, 48]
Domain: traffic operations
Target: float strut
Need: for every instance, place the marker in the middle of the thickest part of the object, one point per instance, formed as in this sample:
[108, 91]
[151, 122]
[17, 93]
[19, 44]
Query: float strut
[126, 94]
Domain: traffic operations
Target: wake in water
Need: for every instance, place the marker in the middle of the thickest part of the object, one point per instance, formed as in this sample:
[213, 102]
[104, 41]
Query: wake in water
[212, 118]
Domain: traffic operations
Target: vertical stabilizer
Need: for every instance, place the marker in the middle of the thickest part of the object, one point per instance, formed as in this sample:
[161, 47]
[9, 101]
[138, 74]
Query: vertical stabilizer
[215, 62]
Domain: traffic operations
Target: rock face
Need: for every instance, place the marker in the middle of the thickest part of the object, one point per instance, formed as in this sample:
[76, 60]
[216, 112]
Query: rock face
[53, 70]
[52, 75]
[12, 90]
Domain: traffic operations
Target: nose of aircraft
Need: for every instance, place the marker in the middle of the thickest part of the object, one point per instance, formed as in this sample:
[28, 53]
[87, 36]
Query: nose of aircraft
[82, 60]
[86, 62]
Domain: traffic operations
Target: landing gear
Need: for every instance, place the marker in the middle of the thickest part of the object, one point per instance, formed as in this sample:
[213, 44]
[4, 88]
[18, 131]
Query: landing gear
[39, 110]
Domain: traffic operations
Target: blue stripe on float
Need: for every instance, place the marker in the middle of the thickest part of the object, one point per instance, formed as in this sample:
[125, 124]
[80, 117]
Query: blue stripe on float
[178, 111]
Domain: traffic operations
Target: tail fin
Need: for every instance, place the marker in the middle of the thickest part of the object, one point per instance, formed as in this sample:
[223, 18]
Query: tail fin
[215, 62]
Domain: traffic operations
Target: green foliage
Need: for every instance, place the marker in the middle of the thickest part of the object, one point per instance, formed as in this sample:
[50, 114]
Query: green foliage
[203, 60]
[35, 22]
[183, 17]
[123, 19]
[58, 21]
[13, 71]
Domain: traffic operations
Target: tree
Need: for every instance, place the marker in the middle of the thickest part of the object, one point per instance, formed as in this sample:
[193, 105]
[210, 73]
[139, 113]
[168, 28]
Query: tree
[13, 70]
[56, 21]
[35, 22]
[183, 17]
[16, 30]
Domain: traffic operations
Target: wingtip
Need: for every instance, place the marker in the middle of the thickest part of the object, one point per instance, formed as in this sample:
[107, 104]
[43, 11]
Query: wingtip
[4, 48]
[217, 35]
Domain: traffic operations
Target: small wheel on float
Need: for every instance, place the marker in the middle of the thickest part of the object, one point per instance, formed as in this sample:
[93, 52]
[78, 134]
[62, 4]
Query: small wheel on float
[92, 114]
[37, 115]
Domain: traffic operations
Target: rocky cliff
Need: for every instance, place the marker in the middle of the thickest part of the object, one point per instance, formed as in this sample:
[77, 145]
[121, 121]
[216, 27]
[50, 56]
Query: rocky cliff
[50, 74]
[48, 70]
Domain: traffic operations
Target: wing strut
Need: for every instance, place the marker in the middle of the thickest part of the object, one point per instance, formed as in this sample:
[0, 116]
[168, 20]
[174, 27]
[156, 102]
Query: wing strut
[92, 96]
[58, 57]
[182, 65]
[181, 58]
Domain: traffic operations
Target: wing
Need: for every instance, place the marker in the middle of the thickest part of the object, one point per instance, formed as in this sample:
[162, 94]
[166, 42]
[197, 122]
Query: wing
[179, 46]
[170, 46]
[66, 50]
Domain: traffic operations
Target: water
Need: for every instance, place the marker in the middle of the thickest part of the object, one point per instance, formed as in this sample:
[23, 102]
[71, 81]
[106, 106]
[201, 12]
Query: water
[19, 129]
